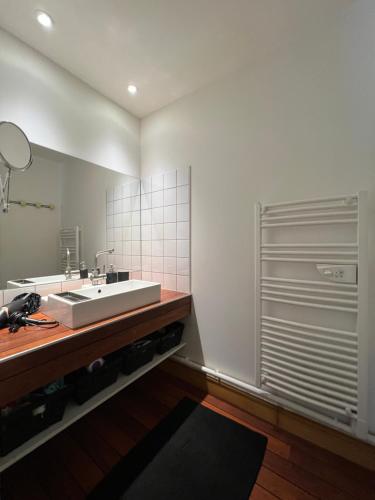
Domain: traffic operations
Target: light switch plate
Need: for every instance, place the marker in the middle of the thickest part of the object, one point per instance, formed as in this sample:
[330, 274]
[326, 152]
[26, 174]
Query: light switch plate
[338, 273]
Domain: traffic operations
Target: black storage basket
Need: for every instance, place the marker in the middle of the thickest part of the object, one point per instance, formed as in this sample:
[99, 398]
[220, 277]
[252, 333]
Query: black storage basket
[136, 355]
[30, 417]
[86, 384]
[169, 337]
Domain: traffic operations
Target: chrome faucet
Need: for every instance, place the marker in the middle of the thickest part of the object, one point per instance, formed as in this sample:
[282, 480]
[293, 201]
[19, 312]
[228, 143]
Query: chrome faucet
[95, 275]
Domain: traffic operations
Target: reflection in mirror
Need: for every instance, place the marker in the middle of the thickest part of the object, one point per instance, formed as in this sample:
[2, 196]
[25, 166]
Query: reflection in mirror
[58, 203]
[15, 156]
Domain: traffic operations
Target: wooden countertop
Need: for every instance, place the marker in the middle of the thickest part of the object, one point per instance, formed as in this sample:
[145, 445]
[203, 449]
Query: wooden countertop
[34, 356]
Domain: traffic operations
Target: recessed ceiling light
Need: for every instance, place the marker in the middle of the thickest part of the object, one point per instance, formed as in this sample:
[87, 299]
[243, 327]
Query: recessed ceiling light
[44, 19]
[132, 89]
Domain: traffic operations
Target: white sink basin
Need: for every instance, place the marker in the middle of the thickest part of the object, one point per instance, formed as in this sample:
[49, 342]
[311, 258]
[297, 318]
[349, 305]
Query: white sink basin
[87, 305]
[41, 280]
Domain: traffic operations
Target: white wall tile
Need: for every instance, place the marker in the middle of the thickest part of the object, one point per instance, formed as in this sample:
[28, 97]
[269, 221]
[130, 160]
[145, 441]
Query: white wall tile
[157, 231]
[146, 248]
[1, 298]
[110, 235]
[183, 176]
[117, 234]
[146, 185]
[126, 233]
[136, 248]
[170, 213]
[126, 191]
[182, 230]
[110, 208]
[146, 263]
[146, 276]
[118, 247]
[146, 232]
[117, 220]
[127, 219]
[136, 233]
[157, 248]
[182, 194]
[183, 284]
[136, 275]
[170, 179]
[170, 197]
[118, 261]
[170, 265]
[135, 203]
[127, 247]
[127, 262]
[157, 264]
[146, 216]
[110, 194]
[157, 199]
[109, 221]
[127, 205]
[157, 215]
[170, 231]
[158, 278]
[146, 201]
[135, 188]
[117, 206]
[183, 212]
[170, 248]
[170, 281]
[136, 218]
[183, 266]
[136, 262]
[157, 182]
[183, 248]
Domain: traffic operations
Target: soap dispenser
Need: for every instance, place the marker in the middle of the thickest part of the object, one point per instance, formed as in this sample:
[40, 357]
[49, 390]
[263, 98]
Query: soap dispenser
[111, 275]
[83, 270]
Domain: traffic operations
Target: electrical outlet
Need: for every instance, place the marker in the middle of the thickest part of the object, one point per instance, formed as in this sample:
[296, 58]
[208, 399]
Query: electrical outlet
[339, 274]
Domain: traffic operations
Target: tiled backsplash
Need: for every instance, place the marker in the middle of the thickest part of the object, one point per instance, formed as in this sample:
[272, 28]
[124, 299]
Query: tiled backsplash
[124, 228]
[148, 224]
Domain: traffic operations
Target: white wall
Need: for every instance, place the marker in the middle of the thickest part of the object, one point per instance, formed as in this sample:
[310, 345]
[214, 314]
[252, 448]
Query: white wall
[300, 126]
[58, 111]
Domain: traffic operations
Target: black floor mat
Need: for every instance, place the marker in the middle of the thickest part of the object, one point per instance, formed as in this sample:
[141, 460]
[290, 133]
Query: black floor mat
[193, 454]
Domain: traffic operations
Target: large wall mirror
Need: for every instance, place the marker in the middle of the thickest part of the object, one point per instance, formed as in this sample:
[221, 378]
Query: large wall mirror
[49, 203]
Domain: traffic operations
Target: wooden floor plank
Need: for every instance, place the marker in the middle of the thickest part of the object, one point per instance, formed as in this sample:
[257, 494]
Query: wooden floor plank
[67, 488]
[306, 481]
[79, 463]
[71, 464]
[260, 493]
[94, 445]
[281, 487]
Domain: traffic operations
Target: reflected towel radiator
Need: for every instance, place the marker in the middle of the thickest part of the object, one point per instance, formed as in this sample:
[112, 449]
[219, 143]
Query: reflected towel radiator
[312, 333]
[70, 238]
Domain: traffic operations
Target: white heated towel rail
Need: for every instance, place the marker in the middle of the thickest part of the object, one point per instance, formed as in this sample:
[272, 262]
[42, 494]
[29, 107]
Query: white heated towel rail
[312, 334]
[70, 238]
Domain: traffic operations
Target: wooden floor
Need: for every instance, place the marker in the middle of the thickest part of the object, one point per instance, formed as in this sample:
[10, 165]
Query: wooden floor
[69, 466]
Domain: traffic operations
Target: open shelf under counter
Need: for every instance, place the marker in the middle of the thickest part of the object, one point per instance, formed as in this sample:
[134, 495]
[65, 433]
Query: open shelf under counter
[74, 412]
[35, 356]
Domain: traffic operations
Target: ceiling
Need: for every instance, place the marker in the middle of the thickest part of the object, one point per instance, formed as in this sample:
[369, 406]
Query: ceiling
[168, 48]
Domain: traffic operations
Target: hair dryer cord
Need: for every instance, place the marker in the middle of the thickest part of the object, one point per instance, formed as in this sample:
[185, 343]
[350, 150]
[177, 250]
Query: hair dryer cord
[18, 319]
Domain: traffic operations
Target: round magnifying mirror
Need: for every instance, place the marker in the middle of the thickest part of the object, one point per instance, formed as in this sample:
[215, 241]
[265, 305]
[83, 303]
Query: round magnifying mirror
[15, 149]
